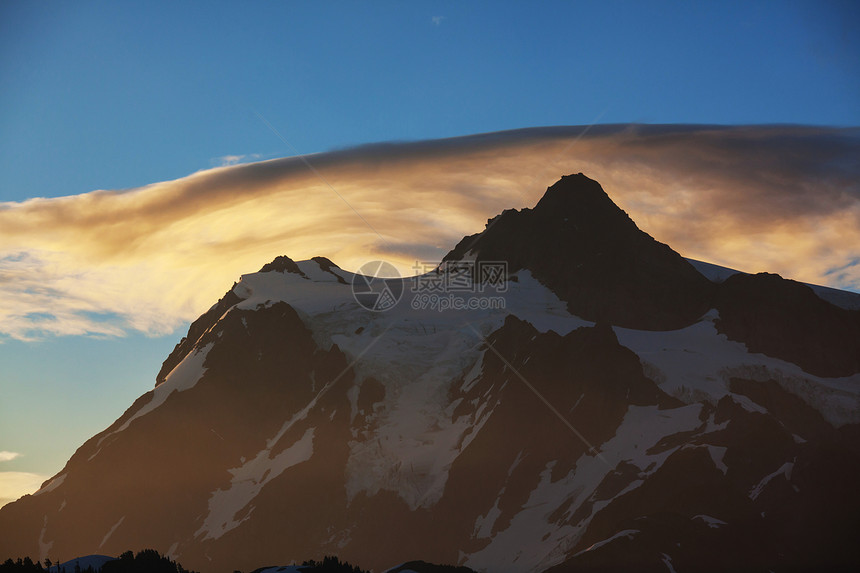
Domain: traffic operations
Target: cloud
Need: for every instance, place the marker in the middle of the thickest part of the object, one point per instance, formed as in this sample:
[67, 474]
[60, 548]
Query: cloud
[8, 456]
[13, 485]
[784, 199]
[437, 20]
[227, 160]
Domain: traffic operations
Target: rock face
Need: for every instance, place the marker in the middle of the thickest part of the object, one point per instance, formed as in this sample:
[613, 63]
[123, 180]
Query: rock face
[568, 430]
[785, 319]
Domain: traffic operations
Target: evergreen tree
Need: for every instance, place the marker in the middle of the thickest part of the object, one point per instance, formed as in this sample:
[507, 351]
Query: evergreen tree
[330, 564]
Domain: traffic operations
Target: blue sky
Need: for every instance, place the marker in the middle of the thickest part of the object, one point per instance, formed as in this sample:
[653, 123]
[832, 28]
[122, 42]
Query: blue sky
[117, 95]
[105, 95]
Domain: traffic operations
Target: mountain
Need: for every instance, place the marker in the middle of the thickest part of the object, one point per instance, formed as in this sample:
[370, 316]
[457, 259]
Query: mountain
[599, 404]
[593, 256]
[96, 562]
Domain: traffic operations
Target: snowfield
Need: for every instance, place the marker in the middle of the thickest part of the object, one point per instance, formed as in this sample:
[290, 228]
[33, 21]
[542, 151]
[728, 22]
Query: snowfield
[408, 442]
[416, 354]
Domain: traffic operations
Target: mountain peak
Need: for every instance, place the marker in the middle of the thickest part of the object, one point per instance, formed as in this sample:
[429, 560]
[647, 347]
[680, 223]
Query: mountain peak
[324, 263]
[573, 192]
[282, 264]
[581, 245]
[579, 202]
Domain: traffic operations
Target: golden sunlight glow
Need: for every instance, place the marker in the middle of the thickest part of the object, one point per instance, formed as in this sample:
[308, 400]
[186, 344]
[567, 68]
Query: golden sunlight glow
[13, 485]
[150, 258]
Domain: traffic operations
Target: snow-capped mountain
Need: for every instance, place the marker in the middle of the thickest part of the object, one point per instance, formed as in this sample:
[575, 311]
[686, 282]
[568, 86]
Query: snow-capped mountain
[601, 403]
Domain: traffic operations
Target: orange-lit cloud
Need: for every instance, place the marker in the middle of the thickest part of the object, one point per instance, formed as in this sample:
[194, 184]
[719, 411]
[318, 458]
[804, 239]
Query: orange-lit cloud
[13, 485]
[782, 199]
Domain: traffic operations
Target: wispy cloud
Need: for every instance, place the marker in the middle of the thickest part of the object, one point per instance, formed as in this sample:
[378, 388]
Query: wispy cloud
[13, 485]
[782, 199]
[228, 160]
[8, 456]
[437, 20]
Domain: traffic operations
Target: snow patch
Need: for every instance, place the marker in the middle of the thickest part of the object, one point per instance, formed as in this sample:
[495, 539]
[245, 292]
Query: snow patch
[183, 377]
[696, 363]
[472, 377]
[352, 395]
[712, 272]
[248, 480]
[712, 522]
[717, 454]
[784, 469]
[316, 273]
[111, 531]
[667, 561]
[44, 546]
[484, 523]
[747, 404]
[171, 551]
[841, 298]
[626, 534]
[52, 485]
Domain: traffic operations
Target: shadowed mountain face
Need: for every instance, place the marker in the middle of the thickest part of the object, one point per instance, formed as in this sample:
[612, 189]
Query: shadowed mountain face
[578, 243]
[570, 430]
[786, 319]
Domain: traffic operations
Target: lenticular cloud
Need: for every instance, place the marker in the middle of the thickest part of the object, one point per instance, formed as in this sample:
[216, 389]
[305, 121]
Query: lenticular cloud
[781, 199]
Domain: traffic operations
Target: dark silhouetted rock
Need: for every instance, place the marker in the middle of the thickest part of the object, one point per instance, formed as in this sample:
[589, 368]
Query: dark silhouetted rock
[785, 319]
[592, 255]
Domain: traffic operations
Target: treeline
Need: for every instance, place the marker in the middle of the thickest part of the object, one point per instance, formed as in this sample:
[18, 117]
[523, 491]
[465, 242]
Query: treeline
[146, 561]
[150, 561]
[330, 564]
[24, 565]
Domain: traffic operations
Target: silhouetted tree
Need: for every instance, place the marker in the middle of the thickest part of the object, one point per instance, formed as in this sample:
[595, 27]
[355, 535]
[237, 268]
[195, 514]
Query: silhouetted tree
[330, 564]
[146, 561]
[24, 565]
